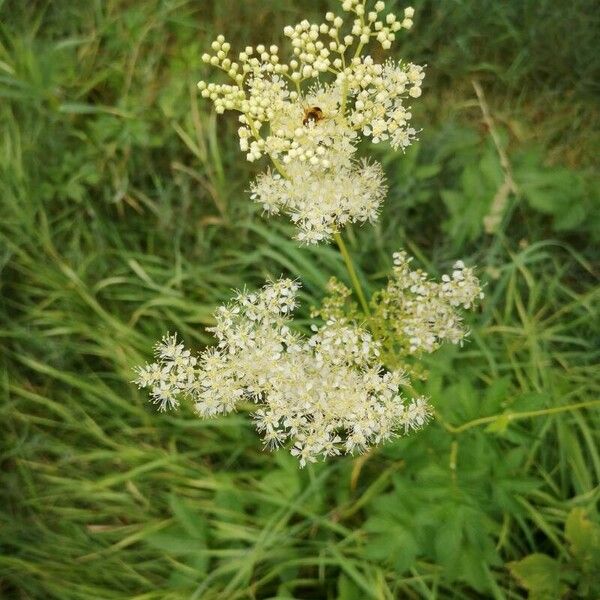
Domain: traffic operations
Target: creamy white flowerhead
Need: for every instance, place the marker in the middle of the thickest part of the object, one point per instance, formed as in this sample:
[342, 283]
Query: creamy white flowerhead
[324, 394]
[308, 114]
[322, 202]
[420, 313]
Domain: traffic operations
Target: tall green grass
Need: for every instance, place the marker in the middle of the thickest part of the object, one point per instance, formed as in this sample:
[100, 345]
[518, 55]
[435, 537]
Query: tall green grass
[124, 214]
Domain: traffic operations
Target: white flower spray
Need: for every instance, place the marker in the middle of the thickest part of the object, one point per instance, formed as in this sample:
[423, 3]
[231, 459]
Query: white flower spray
[308, 115]
[325, 394]
[346, 387]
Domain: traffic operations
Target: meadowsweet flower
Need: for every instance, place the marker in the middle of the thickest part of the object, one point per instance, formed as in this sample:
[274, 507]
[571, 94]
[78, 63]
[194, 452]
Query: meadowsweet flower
[309, 114]
[340, 389]
[170, 376]
[421, 314]
[325, 394]
[379, 92]
[321, 202]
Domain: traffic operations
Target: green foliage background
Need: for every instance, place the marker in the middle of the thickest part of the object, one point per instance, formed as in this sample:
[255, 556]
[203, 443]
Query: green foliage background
[124, 214]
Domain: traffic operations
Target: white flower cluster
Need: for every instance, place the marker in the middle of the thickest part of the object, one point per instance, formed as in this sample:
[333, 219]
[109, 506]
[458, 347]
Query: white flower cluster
[320, 204]
[171, 376]
[424, 313]
[379, 90]
[310, 126]
[326, 393]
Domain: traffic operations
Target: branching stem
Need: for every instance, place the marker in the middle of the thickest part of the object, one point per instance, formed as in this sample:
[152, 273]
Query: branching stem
[517, 416]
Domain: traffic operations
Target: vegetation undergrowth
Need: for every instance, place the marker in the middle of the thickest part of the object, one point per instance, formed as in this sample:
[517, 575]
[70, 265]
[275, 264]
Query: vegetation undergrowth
[125, 215]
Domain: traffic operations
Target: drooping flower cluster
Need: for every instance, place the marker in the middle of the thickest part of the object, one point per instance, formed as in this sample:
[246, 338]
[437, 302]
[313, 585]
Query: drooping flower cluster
[326, 393]
[421, 314]
[308, 115]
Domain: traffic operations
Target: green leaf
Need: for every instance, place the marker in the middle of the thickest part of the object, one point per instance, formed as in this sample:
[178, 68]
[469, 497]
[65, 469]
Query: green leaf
[583, 536]
[427, 171]
[191, 521]
[499, 425]
[468, 206]
[449, 541]
[558, 192]
[539, 574]
[390, 542]
[348, 590]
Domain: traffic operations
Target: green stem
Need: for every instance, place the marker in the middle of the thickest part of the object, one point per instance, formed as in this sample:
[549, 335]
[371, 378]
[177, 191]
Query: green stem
[518, 416]
[343, 250]
[338, 238]
[344, 100]
[352, 272]
[279, 167]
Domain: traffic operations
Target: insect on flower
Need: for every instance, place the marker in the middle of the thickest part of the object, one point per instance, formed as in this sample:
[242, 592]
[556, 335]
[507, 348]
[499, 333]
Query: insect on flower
[314, 114]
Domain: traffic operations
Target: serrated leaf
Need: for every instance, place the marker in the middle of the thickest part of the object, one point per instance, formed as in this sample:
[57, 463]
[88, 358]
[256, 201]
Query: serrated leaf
[539, 574]
[390, 542]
